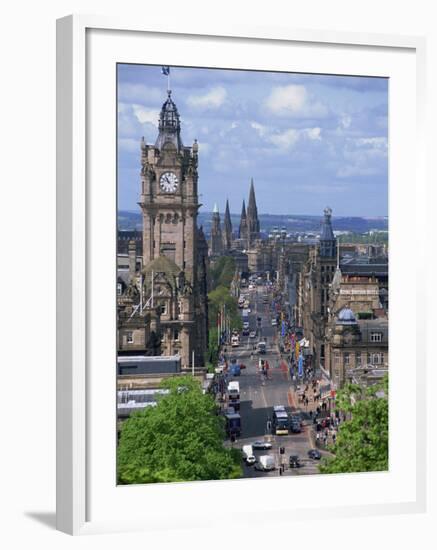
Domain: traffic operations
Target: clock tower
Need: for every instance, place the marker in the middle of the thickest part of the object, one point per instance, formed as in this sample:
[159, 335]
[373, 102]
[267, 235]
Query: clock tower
[174, 258]
[169, 200]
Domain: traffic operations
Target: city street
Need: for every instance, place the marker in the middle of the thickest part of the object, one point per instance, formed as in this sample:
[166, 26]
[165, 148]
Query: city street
[259, 397]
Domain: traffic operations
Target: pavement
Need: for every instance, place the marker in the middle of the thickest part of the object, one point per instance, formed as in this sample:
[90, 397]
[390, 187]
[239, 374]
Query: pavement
[258, 397]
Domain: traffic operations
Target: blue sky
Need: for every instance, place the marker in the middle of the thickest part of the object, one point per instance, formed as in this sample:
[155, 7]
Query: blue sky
[308, 141]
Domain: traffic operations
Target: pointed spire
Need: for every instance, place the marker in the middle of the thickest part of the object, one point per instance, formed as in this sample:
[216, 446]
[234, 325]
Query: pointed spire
[215, 209]
[227, 225]
[242, 231]
[252, 216]
[252, 200]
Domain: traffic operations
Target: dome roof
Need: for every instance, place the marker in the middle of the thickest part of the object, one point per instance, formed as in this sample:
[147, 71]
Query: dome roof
[346, 317]
[169, 124]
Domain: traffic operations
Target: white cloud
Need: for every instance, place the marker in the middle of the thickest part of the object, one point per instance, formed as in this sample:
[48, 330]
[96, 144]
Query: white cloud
[293, 100]
[210, 100]
[313, 133]
[288, 138]
[260, 128]
[379, 143]
[364, 157]
[285, 140]
[345, 122]
[144, 115]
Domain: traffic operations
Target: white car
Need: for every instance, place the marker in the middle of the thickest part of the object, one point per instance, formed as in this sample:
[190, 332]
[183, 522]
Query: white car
[274, 322]
[252, 334]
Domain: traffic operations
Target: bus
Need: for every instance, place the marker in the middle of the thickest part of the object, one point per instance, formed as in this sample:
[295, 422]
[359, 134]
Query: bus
[233, 424]
[281, 421]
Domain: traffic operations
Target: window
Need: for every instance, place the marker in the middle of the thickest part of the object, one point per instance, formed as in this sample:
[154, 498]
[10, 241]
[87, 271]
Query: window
[119, 289]
[176, 335]
[358, 359]
[377, 358]
[337, 359]
[129, 337]
[346, 359]
[376, 336]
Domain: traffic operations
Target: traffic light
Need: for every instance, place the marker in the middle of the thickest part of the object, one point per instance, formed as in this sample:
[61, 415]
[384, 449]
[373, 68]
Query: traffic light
[281, 450]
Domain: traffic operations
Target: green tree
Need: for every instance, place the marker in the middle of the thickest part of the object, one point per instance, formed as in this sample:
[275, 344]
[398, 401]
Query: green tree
[362, 442]
[217, 300]
[181, 439]
[222, 272]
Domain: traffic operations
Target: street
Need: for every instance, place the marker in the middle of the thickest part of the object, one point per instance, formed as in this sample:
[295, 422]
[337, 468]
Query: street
[258, 397]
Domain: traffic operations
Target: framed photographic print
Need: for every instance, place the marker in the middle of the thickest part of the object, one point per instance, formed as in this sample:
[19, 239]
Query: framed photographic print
[234, 211]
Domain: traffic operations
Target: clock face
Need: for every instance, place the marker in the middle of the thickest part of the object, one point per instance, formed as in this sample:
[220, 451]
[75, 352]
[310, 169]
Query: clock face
[169, 182]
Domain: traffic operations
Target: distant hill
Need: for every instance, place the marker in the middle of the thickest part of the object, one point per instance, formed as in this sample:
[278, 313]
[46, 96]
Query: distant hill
[132, 220]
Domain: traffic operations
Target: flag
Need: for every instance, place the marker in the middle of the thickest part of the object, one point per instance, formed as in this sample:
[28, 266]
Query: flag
[165, 70]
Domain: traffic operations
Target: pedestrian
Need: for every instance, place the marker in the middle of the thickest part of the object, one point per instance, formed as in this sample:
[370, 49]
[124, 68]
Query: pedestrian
[317, 438]
[334, 438]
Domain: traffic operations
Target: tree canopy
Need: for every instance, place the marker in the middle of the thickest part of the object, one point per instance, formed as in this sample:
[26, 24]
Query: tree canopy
[222, 272]
[181, 439]
[362, 442]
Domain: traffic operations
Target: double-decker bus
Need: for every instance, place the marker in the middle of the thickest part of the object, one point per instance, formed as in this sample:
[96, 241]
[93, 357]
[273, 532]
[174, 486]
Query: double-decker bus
[281, 421]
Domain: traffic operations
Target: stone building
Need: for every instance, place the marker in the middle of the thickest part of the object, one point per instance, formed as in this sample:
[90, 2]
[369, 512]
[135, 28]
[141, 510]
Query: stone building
[314, 286]
[172, 282]
[356, 337]
[356, 350]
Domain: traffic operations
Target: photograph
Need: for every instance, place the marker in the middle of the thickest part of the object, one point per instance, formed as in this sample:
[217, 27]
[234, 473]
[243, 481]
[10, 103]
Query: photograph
[252, 262]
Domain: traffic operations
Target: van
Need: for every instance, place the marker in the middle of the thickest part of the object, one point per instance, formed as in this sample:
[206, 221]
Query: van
[265, 463]
[248, 455]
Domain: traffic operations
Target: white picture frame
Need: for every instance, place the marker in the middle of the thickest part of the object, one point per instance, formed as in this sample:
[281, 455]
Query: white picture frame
[77, 216]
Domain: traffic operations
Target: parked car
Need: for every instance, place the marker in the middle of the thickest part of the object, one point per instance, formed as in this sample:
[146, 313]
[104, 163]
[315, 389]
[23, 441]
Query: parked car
[261, 445]
[274, 322]
[252, 334]
[294, 461]
[314, 454]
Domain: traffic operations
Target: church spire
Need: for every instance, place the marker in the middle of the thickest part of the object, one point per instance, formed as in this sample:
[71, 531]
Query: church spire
[242, 232]
[227, 226]
[252, 216]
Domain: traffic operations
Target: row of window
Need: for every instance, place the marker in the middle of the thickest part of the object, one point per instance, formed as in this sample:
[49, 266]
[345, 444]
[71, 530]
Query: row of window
[372, 359]
[130, 336]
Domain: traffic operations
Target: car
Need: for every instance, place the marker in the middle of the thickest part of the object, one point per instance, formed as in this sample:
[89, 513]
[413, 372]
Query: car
[294, 461]
[274, 322]
[261, 445]
[242, 366]
[314, 454]
[252, 334]
[295, 428]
